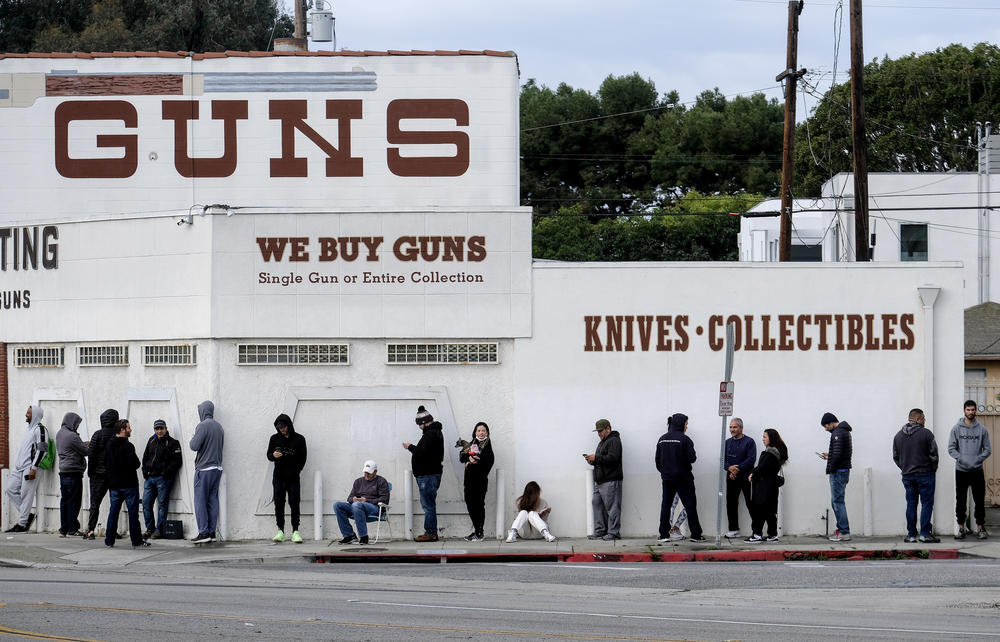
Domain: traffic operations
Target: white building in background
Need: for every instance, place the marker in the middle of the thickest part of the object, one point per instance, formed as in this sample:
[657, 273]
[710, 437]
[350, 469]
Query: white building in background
[338, 237]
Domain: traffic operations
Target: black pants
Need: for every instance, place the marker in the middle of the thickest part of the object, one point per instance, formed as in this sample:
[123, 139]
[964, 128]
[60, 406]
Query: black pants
[733, 489]
[765, 512]
[976, 480]
[684, 488]
[70, 497]
[281, 487]
[98, 489]
[475, 501]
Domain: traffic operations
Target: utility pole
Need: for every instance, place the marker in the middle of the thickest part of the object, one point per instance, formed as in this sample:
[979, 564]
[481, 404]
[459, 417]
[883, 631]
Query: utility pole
[790, 79]
[300, 19]
[861, 251]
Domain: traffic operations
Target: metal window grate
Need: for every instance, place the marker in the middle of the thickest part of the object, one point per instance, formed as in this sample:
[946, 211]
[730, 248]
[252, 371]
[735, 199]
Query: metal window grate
[169, 355]
[442, 353]
[295, 354]
[47, 357]
[102, 355]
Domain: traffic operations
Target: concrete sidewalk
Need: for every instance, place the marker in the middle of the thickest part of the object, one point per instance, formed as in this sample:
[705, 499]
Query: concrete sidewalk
[49, 550]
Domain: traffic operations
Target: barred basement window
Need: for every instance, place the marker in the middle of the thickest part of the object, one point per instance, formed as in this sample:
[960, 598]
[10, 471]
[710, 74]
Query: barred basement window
[173, 355]
[49, 357]
[301, 354]
[102, 355]
[444, 353]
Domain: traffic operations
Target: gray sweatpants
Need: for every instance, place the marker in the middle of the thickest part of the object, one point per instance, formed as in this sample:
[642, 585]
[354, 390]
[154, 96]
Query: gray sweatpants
[22, 493]
[607, 503]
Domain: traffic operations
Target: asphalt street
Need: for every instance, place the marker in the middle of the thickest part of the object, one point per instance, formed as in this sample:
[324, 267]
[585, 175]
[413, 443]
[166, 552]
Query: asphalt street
[281, 599]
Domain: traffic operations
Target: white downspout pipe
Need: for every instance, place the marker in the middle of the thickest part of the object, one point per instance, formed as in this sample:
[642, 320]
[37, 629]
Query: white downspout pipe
[501, 503]
[408, 504]
[588, 494]
[318, 505]
[928, 296]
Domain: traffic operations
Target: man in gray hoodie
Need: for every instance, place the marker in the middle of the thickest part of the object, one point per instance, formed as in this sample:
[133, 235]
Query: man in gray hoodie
[72, 463]
[969, 444]
[24, 477]
[207, 443]
[915, 453]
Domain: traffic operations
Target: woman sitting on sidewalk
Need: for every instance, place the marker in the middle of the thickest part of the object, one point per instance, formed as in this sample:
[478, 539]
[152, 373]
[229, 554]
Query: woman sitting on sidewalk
[532, 511]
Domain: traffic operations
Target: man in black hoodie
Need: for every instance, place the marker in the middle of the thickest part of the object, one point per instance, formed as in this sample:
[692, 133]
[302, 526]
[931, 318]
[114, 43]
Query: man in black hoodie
[607, 498]
[123, 484]
[915, 452]
[674, 456]
[98, 471]
[287, 449]
[160, 462]
[426, 463]
[838, 469]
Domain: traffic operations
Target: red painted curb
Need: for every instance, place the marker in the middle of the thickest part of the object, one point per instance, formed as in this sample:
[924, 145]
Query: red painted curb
[609, 557]
[944, 554]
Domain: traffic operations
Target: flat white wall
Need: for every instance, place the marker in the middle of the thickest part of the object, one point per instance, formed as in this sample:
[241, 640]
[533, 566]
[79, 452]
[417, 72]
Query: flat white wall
[562, 389]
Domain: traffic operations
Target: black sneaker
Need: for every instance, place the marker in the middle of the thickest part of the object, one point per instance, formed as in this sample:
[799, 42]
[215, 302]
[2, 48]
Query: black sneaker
[74, 534]
[16, 528]
[596, 536]
[31, 518]
[473, 537]
[201, 538]
[928, 539]
[348, 539]
[89, 535]
[981, 533]
[699, 538]
[961, 533]
[363, 540]
[144, 544]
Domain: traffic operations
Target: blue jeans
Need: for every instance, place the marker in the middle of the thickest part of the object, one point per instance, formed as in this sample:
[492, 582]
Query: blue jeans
[919, 485]
[428, 486]
[838, 486]
[359, 511]
[70, 497]
[156, 489]
[206, 500]
[130, 497]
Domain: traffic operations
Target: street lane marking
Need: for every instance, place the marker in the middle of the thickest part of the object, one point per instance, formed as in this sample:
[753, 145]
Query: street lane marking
[575, 566]
[949, 633]
[370, 625]
[31, 635]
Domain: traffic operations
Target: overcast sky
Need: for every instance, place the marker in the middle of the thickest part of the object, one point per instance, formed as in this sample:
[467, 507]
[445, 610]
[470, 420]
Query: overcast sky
[684, 45]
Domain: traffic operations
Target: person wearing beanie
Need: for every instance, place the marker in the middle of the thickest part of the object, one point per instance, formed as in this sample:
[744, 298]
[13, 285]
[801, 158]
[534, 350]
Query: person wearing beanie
[426, 463]
[97, 469]
[915, 453]
[838, 469]
[287, 449]
[969, 445]
[160, 462]
[674, 456]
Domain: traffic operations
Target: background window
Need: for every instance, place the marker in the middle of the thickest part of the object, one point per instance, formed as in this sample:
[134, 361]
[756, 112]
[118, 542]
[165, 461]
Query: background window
[913, 242]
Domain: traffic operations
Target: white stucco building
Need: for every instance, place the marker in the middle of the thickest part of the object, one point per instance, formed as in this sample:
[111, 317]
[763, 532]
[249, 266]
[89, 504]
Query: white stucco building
[338, 237]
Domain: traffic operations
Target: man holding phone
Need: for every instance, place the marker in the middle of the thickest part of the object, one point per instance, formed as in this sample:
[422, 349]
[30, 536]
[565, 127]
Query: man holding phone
[838, 469]
[608, 476]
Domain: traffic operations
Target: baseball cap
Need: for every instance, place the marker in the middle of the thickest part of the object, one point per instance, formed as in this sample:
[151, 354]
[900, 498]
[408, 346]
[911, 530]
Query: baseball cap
[370, 466]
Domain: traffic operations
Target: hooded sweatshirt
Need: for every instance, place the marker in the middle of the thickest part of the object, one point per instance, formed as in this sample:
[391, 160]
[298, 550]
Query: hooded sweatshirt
[99, 442]
[122, 463]
[675, 451]
[608, 459]
[208, 438]
[840, 449]
[914, 449]
[292, 449]
[969, 445]
[69, 446]
[33, 446]
[428, 452]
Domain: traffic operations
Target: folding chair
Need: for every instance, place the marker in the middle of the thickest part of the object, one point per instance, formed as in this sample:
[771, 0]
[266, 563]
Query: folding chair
[383, 516]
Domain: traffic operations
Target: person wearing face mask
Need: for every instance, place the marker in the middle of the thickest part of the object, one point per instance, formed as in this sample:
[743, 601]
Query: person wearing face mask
[478, 460]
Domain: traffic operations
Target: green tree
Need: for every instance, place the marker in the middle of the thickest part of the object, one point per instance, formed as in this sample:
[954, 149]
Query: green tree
[921, 116]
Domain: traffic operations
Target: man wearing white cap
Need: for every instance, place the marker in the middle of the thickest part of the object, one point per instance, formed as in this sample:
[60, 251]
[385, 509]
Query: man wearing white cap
[368, 491]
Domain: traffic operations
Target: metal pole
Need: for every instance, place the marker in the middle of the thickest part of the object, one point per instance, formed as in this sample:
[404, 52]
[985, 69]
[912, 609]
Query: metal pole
[730, 332]
[318, 505]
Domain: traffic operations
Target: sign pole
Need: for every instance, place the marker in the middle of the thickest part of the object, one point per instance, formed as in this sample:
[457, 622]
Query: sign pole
[725, 410]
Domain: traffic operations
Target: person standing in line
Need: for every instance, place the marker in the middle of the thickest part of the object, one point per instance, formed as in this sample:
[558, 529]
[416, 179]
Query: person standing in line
[478, 460]
[838, 469]
[287, 449]
[426, 463]
[123, 485]
[915, 453]
[674, 456]
[24, 477]
[741, 451]
[98, 471]
[969, 445]
[207, 443]
[766, 481]
[532, 510]
[72, 463]
[160, 462]
[607, 498]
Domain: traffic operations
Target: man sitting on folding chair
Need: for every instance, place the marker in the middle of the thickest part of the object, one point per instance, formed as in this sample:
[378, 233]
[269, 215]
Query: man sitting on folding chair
[369, 493]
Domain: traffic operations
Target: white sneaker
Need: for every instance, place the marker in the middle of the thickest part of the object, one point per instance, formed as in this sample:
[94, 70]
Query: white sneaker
[549, 537]
[732, 534]
[773, 538]
[676, 536]
[512, 536]
[664, 540]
